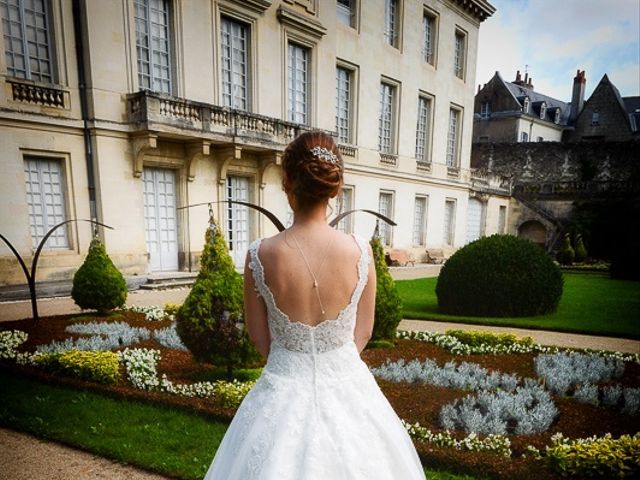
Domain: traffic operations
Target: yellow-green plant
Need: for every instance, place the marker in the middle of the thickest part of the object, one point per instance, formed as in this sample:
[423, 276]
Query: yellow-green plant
[476, 338]
[388, 312]
[96, 366]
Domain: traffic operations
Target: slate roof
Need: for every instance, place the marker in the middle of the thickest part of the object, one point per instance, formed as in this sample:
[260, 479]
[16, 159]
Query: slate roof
[536, 99]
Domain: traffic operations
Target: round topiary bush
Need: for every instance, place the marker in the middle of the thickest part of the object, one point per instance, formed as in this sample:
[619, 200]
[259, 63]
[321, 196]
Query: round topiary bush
[210, 322]
[499, 276]
[388, 303]
[567, 254]
[98, 284]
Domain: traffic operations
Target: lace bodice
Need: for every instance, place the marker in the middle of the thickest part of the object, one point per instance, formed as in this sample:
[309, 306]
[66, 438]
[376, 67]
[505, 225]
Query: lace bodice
[299, 337]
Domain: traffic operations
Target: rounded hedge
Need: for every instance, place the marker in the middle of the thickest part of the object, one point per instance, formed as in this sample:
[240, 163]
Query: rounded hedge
[98, 284]
[499, 276]
[388, 309]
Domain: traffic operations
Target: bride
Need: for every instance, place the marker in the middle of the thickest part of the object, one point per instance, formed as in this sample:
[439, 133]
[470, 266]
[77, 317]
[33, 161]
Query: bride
[316, 411]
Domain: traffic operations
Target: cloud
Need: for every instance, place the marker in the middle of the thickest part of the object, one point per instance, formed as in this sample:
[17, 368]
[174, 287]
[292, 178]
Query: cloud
[555, 38]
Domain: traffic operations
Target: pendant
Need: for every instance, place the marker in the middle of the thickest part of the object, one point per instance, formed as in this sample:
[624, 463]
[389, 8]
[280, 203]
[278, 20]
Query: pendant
[315, 284]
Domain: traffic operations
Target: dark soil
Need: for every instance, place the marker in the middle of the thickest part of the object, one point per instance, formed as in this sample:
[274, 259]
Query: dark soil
[414, 403]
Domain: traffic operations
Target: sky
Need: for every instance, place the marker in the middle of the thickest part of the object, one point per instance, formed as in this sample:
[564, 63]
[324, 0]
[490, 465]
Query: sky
[551, 39]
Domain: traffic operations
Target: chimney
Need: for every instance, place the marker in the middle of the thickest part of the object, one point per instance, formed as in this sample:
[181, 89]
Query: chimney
[518, 80]
[529, 84]
[526, 78]
[577, 95]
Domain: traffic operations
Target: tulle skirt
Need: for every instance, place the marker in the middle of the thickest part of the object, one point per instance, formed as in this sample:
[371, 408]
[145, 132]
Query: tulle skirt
[316, 417]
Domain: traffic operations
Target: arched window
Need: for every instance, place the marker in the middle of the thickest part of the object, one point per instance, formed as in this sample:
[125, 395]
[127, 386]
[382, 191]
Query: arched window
[543, 110]
[556, 116]
[525, 105]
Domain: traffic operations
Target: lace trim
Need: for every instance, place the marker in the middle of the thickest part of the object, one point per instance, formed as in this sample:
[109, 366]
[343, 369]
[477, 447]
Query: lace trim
[297, 335]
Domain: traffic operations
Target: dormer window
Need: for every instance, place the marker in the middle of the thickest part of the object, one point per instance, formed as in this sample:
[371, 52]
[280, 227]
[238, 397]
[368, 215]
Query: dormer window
[485, 109]
[556, 116]
[525, 105]
[543, 110]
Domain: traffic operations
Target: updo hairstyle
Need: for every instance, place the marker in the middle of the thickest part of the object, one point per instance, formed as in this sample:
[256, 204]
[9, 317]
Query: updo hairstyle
[312, 178]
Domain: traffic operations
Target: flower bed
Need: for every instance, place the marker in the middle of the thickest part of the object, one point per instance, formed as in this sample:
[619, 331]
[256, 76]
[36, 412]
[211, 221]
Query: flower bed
[158, 370]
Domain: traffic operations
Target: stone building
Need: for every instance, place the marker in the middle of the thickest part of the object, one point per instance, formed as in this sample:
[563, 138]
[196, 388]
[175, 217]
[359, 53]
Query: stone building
[515, 112]
[128, 111]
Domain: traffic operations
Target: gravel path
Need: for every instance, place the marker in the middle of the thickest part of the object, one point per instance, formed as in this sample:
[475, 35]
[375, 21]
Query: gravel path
[23, 457]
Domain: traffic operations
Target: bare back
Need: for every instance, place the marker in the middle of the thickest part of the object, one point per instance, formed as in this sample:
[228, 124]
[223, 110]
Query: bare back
[332, 256]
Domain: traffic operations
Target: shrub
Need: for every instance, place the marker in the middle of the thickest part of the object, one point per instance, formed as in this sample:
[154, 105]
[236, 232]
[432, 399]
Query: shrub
[210, 322]
[603, 457]
[580, 249]
[102, 367]
[98, 284]
[476, 338]
[499, 276]
[526, 411]
[388, 303]
[567, 254]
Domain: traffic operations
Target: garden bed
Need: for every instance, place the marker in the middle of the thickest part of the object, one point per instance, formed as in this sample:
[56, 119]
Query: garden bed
[414, 403]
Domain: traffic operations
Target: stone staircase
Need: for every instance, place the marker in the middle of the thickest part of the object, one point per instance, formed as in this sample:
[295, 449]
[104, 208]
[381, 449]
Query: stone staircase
[166, 280]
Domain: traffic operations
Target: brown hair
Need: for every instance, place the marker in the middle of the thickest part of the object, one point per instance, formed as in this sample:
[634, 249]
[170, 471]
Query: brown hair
[311, 178]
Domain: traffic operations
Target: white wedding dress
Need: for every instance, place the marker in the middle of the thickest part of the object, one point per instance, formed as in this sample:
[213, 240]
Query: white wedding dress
[316, 412]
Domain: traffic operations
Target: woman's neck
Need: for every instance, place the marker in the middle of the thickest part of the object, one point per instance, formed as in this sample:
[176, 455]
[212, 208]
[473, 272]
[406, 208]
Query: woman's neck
[311, 217]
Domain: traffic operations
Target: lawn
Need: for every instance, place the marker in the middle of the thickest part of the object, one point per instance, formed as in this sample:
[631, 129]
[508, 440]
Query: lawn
[175, 443]
[592, 303]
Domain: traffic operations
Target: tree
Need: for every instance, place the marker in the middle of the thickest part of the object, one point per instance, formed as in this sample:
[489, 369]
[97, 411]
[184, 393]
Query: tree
[210, 322]
[98, 284]
[388, 311]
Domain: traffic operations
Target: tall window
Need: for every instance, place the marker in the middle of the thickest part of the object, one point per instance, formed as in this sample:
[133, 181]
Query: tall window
[423, 129]
[453, 137]
[525, 105]
[524, 137]
[27, 39]
[45, 198]
[429, 38]
[235, 64]
[385, 207]
[502, 219]
[595, 119]
[449, 221]
[459, 55]
[386, 131]
[345, 203]
[344, 102]
[543, 110]
[237, 218]
[485, 109]
[347, 12]
[419, 221]
[391, 22]
[298, 84]
[153, 39]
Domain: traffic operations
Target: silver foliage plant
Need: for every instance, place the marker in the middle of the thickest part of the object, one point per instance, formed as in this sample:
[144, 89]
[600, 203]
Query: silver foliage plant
[526, 411]
[568, 370]
[466, 376]
[169, 338]
[102, 336]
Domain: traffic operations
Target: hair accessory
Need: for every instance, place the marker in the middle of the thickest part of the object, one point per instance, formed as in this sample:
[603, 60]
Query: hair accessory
[324, 154]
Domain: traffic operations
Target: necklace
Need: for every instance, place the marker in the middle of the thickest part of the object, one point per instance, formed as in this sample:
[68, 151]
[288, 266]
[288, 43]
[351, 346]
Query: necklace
[315, 279]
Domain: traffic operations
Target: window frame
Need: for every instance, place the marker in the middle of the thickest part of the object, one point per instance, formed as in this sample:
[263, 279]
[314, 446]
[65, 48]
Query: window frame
[225, 16]
[171, 60]
[352, 79]
[543, 110]
[449, 229]
[346, 224]
[384, 229]
[525, 105]
[428, 131]
[460, 54]
[502, 219]
[352, 11]
[434, 17]
[394, 88]
[392, 28]
[291, 113]
[485, 109]
[524, 137]
[453, 154]
[421, 231]
[595, 119]
[62, 161]
[49, 21]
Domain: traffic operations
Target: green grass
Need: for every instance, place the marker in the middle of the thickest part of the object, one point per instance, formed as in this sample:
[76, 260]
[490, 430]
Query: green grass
[154, 438]
[592, 303]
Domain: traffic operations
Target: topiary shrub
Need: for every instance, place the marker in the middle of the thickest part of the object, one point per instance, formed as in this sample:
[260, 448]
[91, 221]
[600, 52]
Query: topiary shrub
[499, 276]
[567, 254]
[388, 303]
[210, 322]
[579, 249]
[98, 284]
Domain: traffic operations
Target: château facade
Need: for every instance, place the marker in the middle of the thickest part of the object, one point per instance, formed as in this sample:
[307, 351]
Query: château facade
[128, 111]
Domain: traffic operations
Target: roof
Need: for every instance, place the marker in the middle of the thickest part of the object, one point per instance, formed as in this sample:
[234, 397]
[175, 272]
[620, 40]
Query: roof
[536, 99]
[631, 104]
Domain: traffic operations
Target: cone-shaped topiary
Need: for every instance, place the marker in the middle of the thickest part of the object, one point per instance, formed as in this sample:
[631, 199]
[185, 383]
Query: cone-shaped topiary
[98, 284]
[210, 322]
[388, 303]
[499, 276]
[566, 255]
[579, 249]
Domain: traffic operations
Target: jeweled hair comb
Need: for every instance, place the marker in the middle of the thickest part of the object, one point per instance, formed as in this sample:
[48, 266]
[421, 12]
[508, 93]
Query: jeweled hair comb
[324, 154]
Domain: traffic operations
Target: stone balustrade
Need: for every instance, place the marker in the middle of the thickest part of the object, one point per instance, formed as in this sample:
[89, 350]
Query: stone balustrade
[388, 159]
[31, 93]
